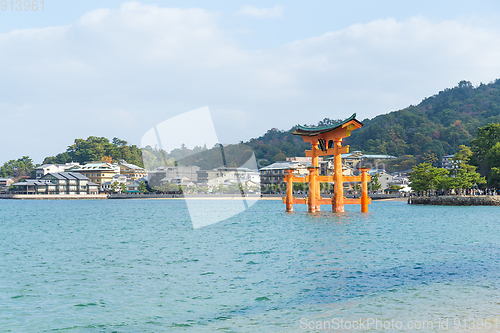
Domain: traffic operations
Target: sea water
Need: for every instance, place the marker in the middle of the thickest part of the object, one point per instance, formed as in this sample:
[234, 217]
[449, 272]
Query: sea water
[139, 266]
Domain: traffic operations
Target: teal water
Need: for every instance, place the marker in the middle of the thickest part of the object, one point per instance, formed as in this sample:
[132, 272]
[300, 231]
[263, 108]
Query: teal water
[138, 266]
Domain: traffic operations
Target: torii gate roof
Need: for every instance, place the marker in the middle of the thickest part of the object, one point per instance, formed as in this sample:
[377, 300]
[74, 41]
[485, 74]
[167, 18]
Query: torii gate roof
[314, 131]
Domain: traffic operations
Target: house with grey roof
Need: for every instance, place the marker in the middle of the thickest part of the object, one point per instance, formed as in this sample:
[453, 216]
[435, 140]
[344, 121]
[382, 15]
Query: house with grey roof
[155, 177]
[60, 183]
[132, 171]
[274, 173]
[354, 158]
[33, 186]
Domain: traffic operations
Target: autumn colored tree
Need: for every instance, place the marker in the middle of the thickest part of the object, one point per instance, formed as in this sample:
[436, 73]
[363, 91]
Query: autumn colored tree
[107, 159]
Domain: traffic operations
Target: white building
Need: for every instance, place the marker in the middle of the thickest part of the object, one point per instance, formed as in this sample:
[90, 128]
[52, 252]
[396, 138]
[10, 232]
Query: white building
[384, 178]
[132, 185]
[221, 175]
[42, 170]
[446, 161]
[274, 173]
[353, 159]
[118, 178]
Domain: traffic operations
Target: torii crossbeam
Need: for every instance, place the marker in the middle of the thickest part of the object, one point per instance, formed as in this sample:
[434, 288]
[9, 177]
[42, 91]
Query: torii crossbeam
[327, 140]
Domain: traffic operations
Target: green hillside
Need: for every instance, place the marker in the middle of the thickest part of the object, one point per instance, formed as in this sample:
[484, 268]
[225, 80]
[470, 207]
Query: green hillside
[438, 125]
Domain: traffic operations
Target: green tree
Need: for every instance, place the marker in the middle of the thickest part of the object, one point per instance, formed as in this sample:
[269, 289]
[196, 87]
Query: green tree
[142, 187]
[98, 149]
[299, 187]
[115, 186]
[402, 163]
[395, 187]
[464, 175]
[123, 188]
[425, 177]
[21, 168]
[325, 187]
[375, 183]
[493, 156]
[430, 157]
[494, 177]
[486, 138]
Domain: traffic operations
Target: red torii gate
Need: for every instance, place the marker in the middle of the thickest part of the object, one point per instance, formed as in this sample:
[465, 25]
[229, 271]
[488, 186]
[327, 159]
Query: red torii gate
[327, 140]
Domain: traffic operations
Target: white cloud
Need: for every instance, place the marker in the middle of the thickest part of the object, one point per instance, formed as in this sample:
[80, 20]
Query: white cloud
[256, 12]
[143, 64]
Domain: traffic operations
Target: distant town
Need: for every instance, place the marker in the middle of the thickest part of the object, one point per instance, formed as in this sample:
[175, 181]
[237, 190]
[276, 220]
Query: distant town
[104, 178]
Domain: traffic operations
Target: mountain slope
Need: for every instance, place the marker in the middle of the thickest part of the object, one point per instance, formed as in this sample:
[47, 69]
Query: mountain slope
[439, 124]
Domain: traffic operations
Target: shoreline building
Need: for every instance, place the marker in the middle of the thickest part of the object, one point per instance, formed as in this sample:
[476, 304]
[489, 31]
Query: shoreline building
[5, 183]
[384, 178]
[325, 167]
[163, 174]
[97, 172]
[132, 171]
[132, 185]
[274, 173]
[42, 170]
[227, 175]
[69, 183]
[354, 159]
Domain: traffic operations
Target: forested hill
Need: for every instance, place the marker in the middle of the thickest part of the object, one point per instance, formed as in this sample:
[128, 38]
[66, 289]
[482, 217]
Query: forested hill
[439, 124]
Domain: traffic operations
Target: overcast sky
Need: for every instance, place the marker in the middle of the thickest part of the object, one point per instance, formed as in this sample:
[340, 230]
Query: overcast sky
[117, 69]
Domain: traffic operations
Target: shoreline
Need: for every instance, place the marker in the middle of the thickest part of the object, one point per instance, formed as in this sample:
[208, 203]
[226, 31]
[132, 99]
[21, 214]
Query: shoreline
[272, 197]
[459, 200]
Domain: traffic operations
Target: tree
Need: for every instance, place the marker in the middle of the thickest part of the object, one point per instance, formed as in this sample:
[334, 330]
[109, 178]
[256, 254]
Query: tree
[425, 177]
[468, 178]
[430, 158]
[394, 187]
[115, 186]
[107, 159]
[494, 177]
[21, 168]
[325, 187]
[298, 186]
[203, 189]
[142, 187]
[464, 175]
[493, 156]
[123, 188]
[98, 149]
[375, 183]
[117, 142]
[402, 163]
[486, 138]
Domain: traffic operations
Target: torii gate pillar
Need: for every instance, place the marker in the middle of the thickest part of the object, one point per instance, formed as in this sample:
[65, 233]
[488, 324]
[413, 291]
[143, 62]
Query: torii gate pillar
[338, 186]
